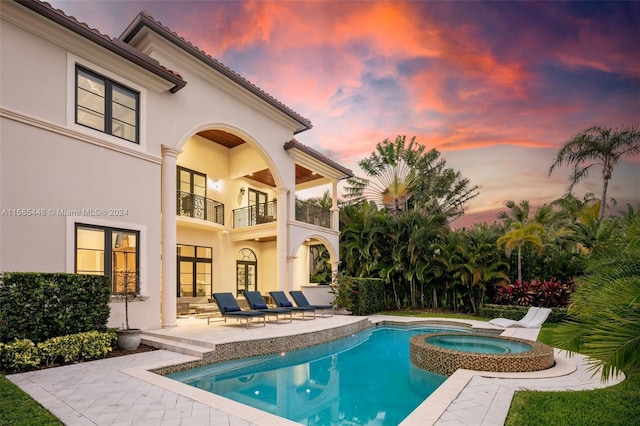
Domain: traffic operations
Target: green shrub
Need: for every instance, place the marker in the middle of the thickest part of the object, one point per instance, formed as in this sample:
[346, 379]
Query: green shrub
[24, 354]
[517, 312]
[39, 306]
[19, 355]
[360, 296]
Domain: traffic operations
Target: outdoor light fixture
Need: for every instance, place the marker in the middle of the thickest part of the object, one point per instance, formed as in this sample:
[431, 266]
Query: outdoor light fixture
[242, 190]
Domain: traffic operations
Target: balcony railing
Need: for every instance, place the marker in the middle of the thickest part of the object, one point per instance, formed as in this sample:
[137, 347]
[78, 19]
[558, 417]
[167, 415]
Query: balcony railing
[313, 214]
[199, 207]
[255, 215]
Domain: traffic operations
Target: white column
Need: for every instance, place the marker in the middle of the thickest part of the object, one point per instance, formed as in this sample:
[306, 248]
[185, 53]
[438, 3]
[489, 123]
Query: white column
[289, 283]
[169, 284]
[334, 269]
[335, 211]
[282, 244]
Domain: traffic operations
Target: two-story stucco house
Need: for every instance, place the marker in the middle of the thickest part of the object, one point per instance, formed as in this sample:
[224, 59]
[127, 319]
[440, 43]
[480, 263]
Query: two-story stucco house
[143, 156]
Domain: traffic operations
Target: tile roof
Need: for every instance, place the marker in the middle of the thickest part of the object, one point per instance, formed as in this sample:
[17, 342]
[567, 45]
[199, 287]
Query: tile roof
[294, 144]
[116, 46]
[144, 19]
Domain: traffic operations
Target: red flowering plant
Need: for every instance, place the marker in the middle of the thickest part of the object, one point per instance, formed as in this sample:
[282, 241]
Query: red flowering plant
[549, 293]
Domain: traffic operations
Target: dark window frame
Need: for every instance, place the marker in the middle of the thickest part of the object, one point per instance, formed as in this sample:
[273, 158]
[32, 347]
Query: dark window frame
[192, 173]
[247, 257]
[108, 113]
[108, 252]
[195, 261]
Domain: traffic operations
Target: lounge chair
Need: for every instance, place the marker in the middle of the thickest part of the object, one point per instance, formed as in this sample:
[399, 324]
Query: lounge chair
[282, 301]
[257, 303]
[302, 301]
[229, 308]
[534, 318]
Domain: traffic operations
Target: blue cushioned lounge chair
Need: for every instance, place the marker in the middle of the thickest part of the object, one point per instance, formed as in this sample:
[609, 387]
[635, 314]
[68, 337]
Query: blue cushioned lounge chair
[229, 308]
[302, 302]
[257, 303]
[282, 301]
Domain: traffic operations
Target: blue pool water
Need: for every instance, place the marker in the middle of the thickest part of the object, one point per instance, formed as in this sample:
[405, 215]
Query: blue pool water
[479, 344]
[366, 378]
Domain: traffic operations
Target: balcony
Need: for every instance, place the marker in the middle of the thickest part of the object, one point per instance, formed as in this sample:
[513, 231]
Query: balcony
[255, 215]
[199, 207]
[313, 214]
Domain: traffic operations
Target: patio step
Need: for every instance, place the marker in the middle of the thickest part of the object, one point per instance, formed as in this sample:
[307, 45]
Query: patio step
[175, 345]
[180, 339]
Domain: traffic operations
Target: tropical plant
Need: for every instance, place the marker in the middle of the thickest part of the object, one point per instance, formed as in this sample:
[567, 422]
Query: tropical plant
[520, 237]
[403, 175]
[601, 146]
[551, 293]
[479, 264]
[604, 313]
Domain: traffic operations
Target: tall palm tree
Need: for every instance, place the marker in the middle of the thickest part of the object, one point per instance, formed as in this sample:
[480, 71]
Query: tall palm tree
[601, 146]
[521, 236]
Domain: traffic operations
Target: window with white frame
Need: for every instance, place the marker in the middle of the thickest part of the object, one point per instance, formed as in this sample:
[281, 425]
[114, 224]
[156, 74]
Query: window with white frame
[106, 106]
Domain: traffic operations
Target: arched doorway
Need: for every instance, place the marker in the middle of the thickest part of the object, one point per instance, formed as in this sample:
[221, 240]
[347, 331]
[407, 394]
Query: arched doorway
[246, 271]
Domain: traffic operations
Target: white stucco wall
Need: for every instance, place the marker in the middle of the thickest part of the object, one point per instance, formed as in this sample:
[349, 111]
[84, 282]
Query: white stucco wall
[48, 162]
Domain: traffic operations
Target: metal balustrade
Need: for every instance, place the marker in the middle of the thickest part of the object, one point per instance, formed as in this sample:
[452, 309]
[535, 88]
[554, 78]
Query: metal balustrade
[199, 207]
[255, 215]
[313, 214]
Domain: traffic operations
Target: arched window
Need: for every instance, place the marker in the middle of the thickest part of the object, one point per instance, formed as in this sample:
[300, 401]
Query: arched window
[247, 271]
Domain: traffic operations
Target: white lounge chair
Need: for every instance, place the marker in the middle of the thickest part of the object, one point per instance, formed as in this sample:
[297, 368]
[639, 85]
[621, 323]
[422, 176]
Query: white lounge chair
[534, 318]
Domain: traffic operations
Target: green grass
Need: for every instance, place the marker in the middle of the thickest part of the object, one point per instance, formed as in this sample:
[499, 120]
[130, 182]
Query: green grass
[612, 406]
[18, 409]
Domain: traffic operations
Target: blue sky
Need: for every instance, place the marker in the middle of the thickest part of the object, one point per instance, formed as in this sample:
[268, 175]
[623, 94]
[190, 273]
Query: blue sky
[495, 86]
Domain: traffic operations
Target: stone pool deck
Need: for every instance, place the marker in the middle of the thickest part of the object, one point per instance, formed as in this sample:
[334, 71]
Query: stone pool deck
[122, 390]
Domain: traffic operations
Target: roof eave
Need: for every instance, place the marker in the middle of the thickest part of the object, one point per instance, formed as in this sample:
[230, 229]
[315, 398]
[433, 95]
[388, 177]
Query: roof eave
[295, 145]
[114, 46]
[143, 20]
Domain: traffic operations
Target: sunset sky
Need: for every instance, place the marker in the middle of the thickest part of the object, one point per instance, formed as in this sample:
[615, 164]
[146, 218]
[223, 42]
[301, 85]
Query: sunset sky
[495, 86]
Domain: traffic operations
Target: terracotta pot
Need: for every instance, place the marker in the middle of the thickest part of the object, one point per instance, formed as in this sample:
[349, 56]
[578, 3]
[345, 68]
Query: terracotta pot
[129, 339]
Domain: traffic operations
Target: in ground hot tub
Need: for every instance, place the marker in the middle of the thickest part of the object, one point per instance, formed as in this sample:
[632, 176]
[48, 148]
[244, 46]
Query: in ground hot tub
[444, 353]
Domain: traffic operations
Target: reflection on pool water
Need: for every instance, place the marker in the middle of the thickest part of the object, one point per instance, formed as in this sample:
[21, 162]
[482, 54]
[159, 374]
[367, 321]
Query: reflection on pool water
[479, 344]
[366, 378]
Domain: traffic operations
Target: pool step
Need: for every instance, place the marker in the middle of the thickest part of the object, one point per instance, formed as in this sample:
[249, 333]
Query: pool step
[179, 345]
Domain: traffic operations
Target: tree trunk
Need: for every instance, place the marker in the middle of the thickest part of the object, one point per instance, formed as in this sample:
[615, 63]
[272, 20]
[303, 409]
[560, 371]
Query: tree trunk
[520, 264]
[603, 201]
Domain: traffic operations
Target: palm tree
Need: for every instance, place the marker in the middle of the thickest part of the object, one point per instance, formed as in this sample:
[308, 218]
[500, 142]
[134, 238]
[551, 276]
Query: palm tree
[604, 317]
[402, 175]
[518, 213]
[597, 145]
[521, 236]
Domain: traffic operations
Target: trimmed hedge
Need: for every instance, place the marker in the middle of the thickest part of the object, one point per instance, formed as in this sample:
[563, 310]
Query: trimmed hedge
[23, 354]
[38, 306]
[517, 312]
[360, 296]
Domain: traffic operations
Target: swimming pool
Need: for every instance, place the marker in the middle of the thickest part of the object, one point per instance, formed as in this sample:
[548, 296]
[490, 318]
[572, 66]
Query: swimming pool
[366, 378]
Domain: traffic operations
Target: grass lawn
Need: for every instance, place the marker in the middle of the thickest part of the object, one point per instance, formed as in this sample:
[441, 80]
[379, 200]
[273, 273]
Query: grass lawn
[18, 409]
[612, 406]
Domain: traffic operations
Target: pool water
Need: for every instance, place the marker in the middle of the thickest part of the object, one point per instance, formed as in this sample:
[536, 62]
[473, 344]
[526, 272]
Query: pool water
[366, 378]
[479, 344]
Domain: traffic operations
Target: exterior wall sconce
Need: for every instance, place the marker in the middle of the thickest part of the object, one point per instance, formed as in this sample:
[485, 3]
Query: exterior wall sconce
[242, 190]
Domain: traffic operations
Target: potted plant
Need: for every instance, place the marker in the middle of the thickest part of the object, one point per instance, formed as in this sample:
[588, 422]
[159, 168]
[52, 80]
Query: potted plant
[127, 279]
